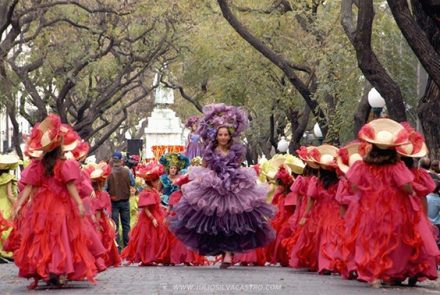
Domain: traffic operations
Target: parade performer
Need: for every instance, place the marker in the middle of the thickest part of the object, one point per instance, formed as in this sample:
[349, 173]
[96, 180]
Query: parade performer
[318, 242]
[386, 229]
[149, 243]
[179, 253]
[194, 144]
[223, 210]
[53, 245]
[102, 207]
[174, 164]
[8, 193]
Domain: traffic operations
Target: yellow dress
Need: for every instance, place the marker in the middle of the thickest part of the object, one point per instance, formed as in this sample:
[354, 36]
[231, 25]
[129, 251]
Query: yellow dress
[6, 207]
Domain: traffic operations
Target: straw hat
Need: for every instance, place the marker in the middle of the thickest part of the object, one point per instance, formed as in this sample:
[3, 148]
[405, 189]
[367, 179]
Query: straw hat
[150, 171]
[9, 162]
[304, 154]
[80, 151]
[384, 133]
[271, 167]
[71, 139]
[348, 155]
[416, 147]
[99, 172]
[325, 155]
[295, 164]
[46, 135]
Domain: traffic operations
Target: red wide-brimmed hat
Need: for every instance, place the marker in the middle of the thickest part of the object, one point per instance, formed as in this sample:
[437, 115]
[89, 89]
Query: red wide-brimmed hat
[416, 147]
[324, 155]
[384, 133]
[349, 154]
[71, 139]
[149, 172]
[304, 154]
[98, 172]
[45, 136]
[284, 176]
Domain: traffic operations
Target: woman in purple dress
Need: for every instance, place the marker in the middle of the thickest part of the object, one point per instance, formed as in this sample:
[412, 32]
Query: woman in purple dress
[194, 143]
[223, 210]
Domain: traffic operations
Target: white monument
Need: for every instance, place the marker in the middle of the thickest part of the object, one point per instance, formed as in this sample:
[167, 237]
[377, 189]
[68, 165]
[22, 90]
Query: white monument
[163, 127]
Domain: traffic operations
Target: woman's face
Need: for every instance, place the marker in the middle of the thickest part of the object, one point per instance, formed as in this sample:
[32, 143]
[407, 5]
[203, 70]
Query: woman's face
[223, 136]
[173, 171]
[194, 127]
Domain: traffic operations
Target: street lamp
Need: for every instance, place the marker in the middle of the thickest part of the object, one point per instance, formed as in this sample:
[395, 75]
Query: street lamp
[318, 133]
[283, 145]
[376, 101]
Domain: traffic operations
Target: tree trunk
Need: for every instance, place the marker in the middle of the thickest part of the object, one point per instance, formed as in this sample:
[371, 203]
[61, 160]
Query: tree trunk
[363, 110]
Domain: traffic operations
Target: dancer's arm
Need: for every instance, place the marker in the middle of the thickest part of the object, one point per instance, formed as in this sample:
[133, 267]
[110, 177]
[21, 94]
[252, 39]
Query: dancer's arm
[149, 215]
[23, 199]
[71, 188]
[310, 203]
[10, 192]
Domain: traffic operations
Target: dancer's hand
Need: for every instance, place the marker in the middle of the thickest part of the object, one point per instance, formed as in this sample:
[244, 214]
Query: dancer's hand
[155, 222]
[81, 209]
[303, 221]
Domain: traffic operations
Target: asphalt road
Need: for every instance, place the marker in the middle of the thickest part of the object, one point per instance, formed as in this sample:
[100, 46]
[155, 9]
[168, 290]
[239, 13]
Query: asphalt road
[209, 280]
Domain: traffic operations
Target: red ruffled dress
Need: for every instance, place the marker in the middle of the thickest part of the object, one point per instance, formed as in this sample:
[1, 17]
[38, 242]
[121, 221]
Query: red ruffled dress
[179, 253]
[317, 244]
[388, 232]
[148, 244]
[53, 239]
[106, 228]
[298, 197]
[286, 207]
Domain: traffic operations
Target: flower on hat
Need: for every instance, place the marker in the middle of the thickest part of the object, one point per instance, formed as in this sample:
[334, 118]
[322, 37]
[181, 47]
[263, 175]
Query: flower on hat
[384, 133]
[149, 172]
[416, 147]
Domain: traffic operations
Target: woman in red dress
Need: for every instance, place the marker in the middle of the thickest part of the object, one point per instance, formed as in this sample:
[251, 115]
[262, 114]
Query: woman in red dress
[101, 205]
[385, 229]
[53, 246]
[317, 244]
[149, 243]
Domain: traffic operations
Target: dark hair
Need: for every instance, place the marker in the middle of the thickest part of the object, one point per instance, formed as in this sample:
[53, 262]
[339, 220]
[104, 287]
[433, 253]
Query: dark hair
[309, 171]
[377, 156]
[328, 177]
[425, 163]
[409, 162]
[97, 185]
[50, 159]
[435, 166]
[4, 171]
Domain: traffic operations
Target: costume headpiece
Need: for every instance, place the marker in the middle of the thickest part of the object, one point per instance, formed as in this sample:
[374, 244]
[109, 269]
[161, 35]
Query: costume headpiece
[384, 133]
[9, 162]
[98, 172]
[221, 115]
[304, 154]
[173, 159]
[197, 161]
[81, 151]
[325, 155]
[149, 172]
[350, 154]
[284, 176]
[191, 121]
[71, 139]
[416, 147]
[45, 136]
[295, 164]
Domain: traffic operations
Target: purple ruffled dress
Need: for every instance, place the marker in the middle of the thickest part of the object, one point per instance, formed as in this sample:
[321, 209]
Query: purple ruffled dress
[223, 208]
[194, 148]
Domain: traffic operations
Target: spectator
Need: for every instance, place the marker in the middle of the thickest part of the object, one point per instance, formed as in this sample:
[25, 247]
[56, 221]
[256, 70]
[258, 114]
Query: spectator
[118, 186]
[434, 198]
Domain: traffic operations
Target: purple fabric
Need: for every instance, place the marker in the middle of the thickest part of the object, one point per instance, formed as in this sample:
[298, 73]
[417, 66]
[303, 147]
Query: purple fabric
[222, 207]
[194, 148]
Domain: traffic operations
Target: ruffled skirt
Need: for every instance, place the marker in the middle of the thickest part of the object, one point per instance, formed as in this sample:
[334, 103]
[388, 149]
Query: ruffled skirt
[222, 214]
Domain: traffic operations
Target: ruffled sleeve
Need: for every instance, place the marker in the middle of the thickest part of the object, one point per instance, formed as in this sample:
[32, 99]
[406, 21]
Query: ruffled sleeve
[6, 177]
[33, 174]
[355, 173]
[291, 199]
[401, 174]
[423, 183]
[343, 194]
[70, 171]
[313, 188]
[148, 198]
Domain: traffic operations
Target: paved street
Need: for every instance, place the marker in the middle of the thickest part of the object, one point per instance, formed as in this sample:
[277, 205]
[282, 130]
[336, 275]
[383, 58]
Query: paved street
[210, 280]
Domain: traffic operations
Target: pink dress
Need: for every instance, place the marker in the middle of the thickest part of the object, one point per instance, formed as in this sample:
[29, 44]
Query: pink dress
[317, 245]
[53, 239]
[388, 232]
[105, 228]
[148, 244]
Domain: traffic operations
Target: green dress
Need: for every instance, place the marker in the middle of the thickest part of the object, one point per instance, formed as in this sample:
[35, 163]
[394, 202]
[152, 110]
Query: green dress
[6, 207]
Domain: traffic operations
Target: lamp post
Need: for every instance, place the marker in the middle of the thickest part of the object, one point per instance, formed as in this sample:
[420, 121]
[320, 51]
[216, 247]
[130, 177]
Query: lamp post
[283, 145]
[318, 133]
[376, 101]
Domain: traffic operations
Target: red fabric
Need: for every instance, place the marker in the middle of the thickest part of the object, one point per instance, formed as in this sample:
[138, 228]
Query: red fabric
[318, 243]
[252, 257]
[54, 237]
[148, 244]
[107, 237]
[385, 236]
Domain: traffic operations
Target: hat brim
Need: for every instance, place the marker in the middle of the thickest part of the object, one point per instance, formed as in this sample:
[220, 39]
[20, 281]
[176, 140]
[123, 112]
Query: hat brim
[420, 154]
